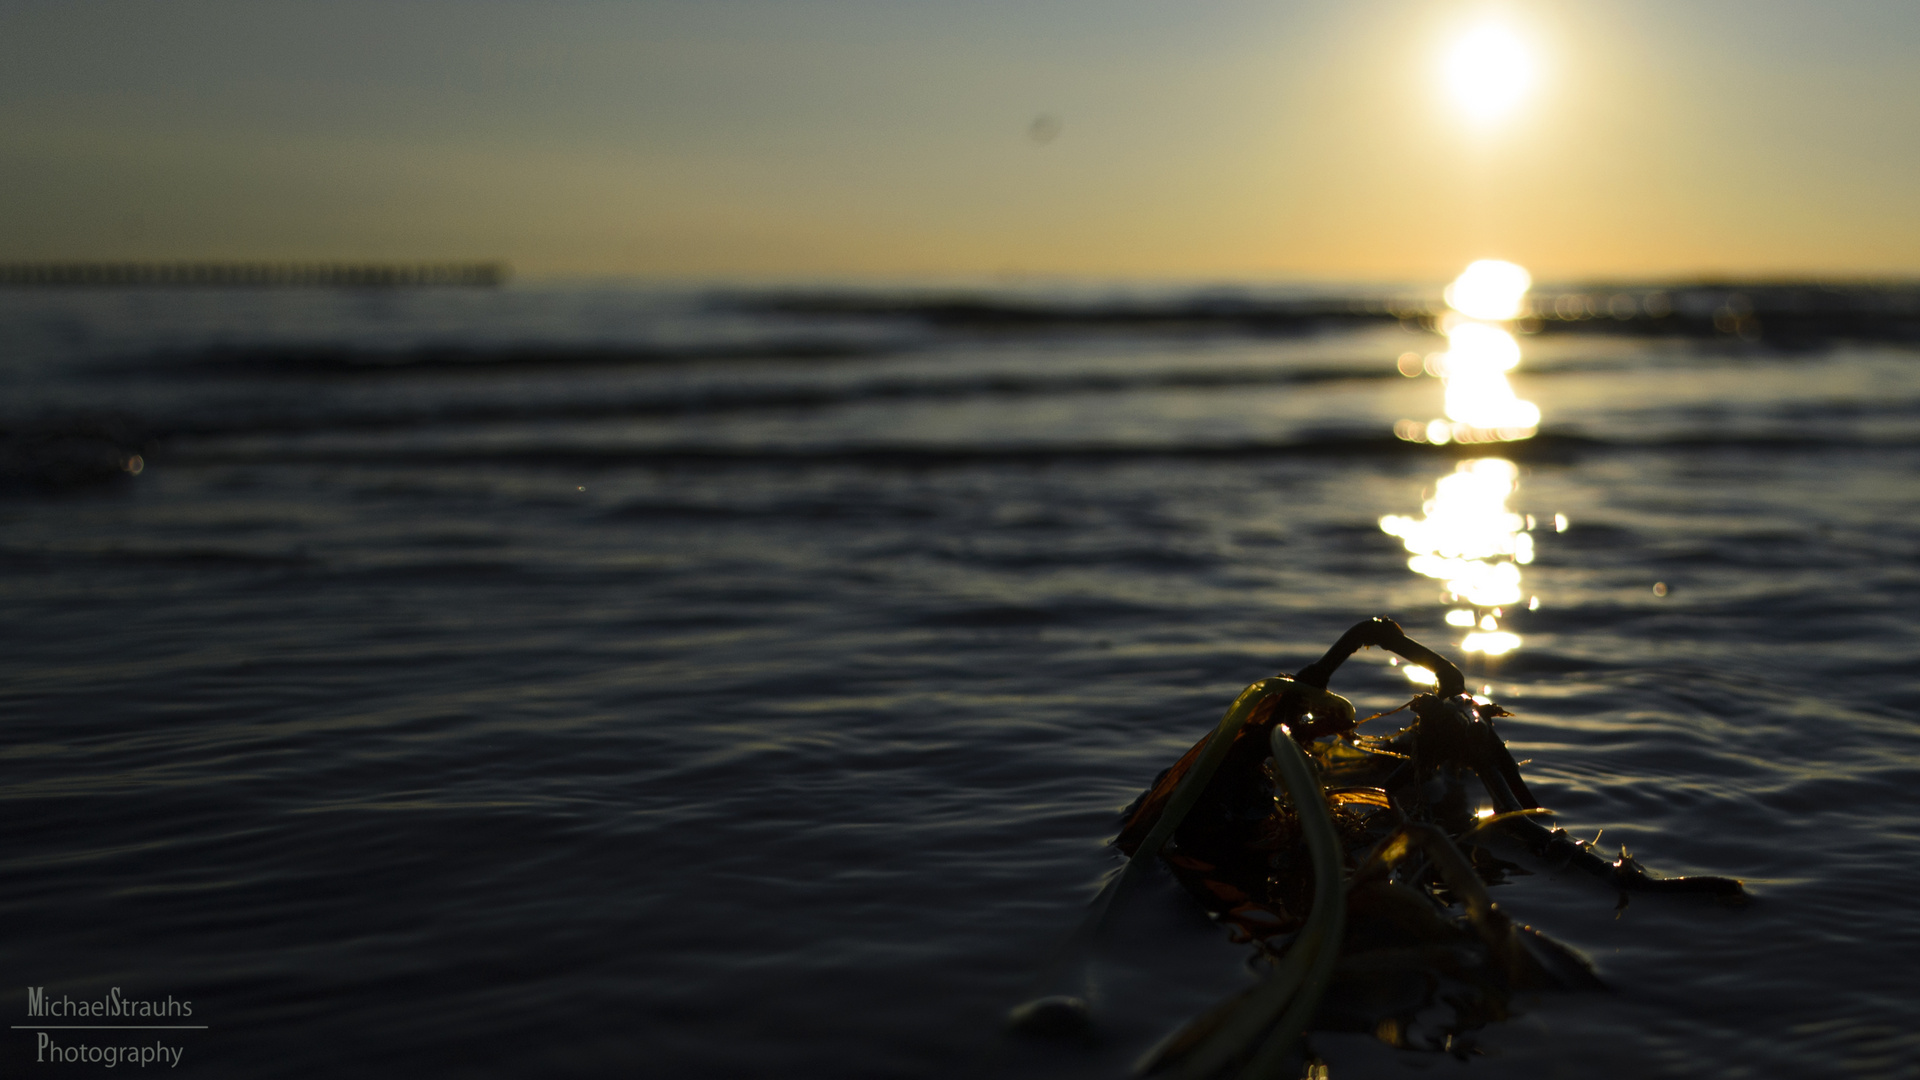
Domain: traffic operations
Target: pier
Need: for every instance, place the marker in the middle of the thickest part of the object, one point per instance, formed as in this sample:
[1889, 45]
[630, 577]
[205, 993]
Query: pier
[223, 275]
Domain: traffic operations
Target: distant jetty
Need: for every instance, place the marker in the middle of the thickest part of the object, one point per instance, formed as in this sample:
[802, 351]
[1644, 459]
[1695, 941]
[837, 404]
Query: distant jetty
[334, 275]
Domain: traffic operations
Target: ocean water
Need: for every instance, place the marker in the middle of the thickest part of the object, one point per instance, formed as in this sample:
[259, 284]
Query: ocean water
[602, 681]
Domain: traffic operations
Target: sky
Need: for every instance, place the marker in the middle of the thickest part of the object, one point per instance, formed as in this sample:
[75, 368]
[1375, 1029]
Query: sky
[929, 139]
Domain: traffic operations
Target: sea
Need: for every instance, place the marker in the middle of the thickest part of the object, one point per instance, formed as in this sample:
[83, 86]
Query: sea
[601, 679]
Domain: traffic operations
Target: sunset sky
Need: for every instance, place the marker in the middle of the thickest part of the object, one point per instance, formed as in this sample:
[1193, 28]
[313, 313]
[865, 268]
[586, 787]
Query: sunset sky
[753, 139]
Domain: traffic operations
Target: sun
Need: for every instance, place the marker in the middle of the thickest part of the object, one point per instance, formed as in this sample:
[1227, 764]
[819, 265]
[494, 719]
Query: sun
[1488, 72]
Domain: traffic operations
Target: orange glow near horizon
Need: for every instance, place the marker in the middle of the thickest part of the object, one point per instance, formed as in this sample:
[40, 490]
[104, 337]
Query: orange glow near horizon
[1241, 142]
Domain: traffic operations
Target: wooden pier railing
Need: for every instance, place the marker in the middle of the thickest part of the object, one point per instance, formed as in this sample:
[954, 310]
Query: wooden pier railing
[342, 275]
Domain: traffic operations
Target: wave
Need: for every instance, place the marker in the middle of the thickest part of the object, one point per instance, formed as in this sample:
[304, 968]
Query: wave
[62, 455]
[992, 312]
[856, 324]
[465, 360]
[1791, 314]
[1543, 448]
[722, 398]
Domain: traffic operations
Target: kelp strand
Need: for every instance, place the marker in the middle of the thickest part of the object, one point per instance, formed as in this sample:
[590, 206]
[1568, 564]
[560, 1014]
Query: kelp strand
[1282, 1006]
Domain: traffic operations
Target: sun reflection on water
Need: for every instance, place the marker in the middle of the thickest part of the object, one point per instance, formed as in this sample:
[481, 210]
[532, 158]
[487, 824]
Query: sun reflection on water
[1479, 401]
[1489, 289]
[1467, 535]
[1468, 538]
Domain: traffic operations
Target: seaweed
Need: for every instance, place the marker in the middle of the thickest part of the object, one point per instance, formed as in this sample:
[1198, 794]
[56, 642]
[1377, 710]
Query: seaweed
[1356, 868]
